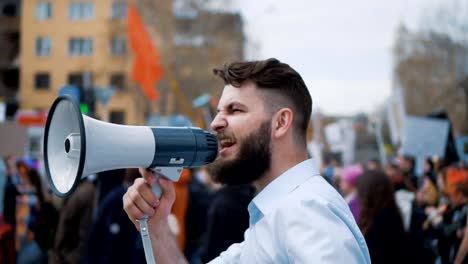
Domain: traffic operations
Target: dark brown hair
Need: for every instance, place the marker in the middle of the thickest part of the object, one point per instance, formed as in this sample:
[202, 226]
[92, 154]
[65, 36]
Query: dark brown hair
[375, 192]
[281, 84]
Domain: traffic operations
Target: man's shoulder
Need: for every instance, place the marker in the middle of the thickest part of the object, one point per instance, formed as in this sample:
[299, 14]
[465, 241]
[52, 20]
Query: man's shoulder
[317, 190]
[314, 196]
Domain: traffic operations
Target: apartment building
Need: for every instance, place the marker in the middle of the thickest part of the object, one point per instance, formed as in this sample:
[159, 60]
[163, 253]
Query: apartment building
[84, 43]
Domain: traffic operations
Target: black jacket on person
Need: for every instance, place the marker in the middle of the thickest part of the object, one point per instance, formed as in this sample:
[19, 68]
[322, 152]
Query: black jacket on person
[9, 203]
[200, 198]
[228, 218]
[386, 238]
[114, 238]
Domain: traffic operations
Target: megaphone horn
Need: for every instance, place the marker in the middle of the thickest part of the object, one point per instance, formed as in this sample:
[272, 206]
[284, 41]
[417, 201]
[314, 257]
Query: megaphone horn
[76, 145]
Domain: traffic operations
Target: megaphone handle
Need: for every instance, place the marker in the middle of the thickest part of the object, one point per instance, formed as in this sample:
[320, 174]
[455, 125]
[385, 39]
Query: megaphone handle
[149, 256]
[147, 247]
[156, 188]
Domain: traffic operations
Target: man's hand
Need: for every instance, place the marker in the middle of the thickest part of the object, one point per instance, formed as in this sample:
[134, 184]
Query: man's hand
[140, 201]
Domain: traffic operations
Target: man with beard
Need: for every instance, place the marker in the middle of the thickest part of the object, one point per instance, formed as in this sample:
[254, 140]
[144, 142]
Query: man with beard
[296, 216]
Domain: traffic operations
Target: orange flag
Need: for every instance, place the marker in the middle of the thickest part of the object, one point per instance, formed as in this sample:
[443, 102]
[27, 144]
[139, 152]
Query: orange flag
[146, 70]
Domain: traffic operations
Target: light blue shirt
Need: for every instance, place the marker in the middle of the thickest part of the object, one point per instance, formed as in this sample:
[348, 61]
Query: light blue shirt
[299, 218]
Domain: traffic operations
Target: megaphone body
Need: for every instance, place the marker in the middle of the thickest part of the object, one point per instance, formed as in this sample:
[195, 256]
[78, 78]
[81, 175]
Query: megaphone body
[76, 145]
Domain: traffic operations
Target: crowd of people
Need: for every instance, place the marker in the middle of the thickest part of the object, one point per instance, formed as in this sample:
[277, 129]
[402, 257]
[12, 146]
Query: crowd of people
[404, 217]
[90, 226]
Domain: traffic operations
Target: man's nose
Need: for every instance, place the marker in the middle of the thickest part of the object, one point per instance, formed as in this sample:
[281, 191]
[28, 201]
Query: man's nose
[218, 123]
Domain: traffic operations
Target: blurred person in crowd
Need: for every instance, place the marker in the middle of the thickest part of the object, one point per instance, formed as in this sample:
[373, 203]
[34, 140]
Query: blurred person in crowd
[463, 231]
[403, 191]
[442, 182]
[413, 217]
[455, 174]
[349, 176]
[429, 170]
[439, 216]
[407, 166]
[113, 238]
[228, 218]
[454, 222]
[7, 243]
[74, 223]
[373, 165]
[448, 218]
[10, 191]
[380, 219]
[7, 233]
[201, 190]
[427, 194]
[47, 219]
[207, 180]
[261, 126]
[398, 178]
[328, 169]
[435, 213]
[28, 207]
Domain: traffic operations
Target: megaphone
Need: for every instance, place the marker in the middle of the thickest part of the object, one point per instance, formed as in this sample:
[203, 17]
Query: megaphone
[76, 145]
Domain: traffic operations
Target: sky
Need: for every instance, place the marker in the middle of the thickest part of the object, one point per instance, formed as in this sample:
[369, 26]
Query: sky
[342, 48]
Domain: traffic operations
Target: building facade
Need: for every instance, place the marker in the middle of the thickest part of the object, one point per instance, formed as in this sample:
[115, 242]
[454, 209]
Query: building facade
[81, 43]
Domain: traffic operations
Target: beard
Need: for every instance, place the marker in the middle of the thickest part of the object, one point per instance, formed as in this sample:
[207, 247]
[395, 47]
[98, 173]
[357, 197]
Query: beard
[252, 161]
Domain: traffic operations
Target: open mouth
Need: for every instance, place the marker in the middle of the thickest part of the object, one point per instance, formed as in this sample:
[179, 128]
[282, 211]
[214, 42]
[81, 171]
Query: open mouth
[225, 144]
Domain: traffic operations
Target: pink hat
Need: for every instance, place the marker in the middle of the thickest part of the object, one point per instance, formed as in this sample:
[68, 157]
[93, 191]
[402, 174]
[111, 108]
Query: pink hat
[351, 173]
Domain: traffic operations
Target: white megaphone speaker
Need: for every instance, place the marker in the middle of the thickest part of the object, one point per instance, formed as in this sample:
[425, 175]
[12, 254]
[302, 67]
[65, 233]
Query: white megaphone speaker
[76, 146]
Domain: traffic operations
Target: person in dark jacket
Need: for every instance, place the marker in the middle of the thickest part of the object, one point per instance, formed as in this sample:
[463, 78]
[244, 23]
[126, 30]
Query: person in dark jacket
[380, 219]
[200, 197]
[228, 219]
[10, 192]
[113, 237]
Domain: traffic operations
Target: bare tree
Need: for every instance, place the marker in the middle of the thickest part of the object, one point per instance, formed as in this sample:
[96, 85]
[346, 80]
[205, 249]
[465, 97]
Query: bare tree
[432, 64]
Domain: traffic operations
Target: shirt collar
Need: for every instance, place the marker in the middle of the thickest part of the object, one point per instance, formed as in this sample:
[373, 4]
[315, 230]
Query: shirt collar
[284, 184]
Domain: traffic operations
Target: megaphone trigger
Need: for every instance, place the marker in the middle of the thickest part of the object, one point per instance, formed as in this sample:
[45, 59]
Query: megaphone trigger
[170, 173]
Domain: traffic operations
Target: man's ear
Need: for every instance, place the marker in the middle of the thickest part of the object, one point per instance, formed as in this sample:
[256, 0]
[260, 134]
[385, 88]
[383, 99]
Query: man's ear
[282, 122]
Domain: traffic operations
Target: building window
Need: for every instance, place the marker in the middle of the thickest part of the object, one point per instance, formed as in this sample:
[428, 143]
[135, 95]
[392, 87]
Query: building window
[184, 10]
[118, 46]
[43, 46]
[117, 81]
[81, 79]
[189, 40]
[80, 47]
[117, 117]
[10, 10]
[81, 11]
[43, 10]
[119, 10]
[42, 81]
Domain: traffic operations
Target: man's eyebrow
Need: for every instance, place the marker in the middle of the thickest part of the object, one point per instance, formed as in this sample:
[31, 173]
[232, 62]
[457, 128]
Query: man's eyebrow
[232, 105]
